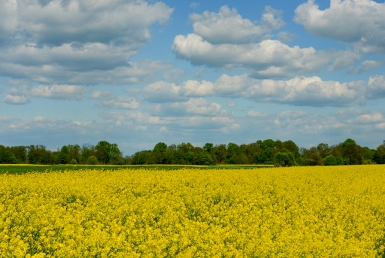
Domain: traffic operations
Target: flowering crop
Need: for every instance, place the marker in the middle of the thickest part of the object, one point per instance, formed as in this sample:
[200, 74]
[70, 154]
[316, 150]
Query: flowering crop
[275, 212]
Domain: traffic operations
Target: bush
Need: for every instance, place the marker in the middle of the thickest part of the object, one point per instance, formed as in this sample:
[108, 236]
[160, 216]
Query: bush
[73, 161]
[330, 161]
[92, 160]
[284, 159]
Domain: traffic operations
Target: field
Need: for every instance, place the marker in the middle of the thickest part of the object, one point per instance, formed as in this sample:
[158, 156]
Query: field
[24, 168]
[274, 212]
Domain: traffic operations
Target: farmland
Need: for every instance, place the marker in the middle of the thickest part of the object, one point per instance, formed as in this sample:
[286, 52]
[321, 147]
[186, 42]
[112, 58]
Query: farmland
[234, 212]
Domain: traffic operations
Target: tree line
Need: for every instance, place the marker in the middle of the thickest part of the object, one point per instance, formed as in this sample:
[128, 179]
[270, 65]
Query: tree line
[279, 153]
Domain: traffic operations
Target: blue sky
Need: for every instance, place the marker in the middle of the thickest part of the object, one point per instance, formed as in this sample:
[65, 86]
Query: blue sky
[140, 72]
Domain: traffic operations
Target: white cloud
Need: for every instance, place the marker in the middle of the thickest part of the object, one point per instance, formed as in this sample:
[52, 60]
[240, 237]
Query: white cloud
[376, 87]
[298, 91]
[160, 92]
[361, 22]
[227, 40]
[253, 113]
[370, 118]
[231, 104]
[108, 99]
[15, 99]
[193, 88]
[366, 66]
[194, 5]
[228, 27]
[58, 92]
[235, 126]
[191, 107]
[78, 42]
[380, 126]
[22, 93]
[141, 127]
[268, 58]
[56, 23]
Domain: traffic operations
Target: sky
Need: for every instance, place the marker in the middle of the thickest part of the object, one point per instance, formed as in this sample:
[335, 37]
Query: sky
[137, 72]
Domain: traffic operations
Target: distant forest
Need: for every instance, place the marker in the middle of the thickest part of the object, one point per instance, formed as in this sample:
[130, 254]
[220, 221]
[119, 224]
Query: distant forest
[278, 153]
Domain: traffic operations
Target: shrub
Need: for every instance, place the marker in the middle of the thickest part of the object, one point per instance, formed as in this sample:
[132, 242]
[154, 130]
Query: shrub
[330, 161]
[92, 160]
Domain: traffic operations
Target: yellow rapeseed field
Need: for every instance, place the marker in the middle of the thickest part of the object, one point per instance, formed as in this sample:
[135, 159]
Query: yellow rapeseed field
[274, 212]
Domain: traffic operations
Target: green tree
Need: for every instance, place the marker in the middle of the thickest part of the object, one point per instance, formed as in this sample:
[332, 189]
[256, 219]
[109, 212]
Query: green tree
[158, 153]
[291, 147]
[108, 153]
[209, 147]
[323, 150]
[7, 156]
[92, 160]
[20, 153]
[269, 146]
[330, 161]
[232, 153]
[284, 159]
[63, 155]
[315, 159]
[351, 152]
[379, 155]
[39, 155]
[87, 151]
[220, 153]
[259, 157]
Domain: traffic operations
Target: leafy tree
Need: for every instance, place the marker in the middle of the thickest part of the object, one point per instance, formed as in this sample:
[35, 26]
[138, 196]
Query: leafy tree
[108, 153]
[158, 153]
[323, 150]
[269, 146]
[87, 151]
[20, 153]
[160, 146]
[379, 155]
[330, 161]
[39, 155]
[92, 160]
[63, 155]
[232, 153]
[291, 147]
[367, 155]
[284, 159]
[259, 157]
[74, 153]
[199, 157]
[315, 160]
[7, 156]
[208, 147]
[220, 153]
[351, 152]
[141, 157]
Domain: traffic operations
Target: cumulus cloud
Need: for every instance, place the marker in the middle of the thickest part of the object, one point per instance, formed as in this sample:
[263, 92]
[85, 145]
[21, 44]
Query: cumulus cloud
[22, 94]
[228, 27]
[366, 66]
[253, 113]
[268, 58]
[194, 106]
[161, 91]
[360, 22]
[298, 91]
[107, 99]
[376, 87]
[370, 118]
[227, 40]
[57, 22]
[77, 41]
